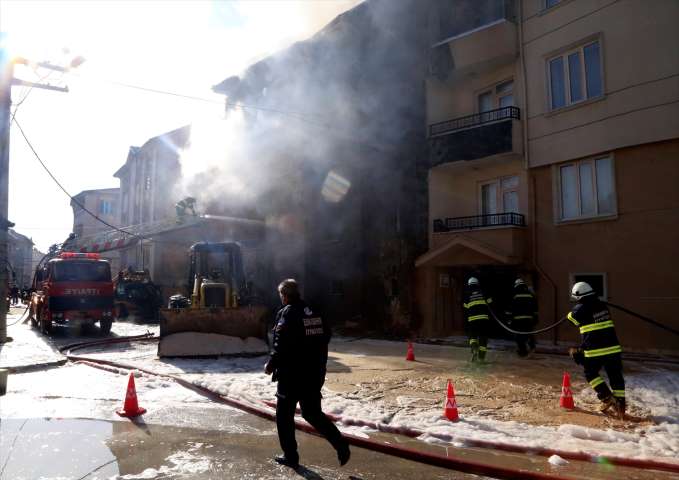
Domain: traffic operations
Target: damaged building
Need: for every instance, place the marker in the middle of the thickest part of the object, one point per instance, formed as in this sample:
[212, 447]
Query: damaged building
[347, 158]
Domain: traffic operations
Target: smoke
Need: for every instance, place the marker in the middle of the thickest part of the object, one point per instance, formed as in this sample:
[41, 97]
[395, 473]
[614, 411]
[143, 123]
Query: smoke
[328, 154]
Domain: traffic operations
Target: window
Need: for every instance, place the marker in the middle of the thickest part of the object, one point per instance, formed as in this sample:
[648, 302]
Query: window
[596, 280]
[105, 207]
[575, 76]
[500, 196]
[499, 96]
[551, 3]
[587, 189]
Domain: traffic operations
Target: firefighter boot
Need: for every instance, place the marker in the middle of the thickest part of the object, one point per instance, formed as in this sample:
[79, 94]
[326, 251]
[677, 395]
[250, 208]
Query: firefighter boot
[607, 404]
[474, 344]
[620, 408]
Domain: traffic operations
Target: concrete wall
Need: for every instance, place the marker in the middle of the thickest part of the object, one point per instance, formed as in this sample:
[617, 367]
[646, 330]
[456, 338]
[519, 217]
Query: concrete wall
[637, 250]
[640, 76]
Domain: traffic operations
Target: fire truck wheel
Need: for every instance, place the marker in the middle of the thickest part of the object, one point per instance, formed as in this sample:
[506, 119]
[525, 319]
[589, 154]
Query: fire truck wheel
[105, 325]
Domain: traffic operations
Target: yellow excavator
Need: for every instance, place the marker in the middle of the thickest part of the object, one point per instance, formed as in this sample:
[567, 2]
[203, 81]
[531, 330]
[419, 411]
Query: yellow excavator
[222, 317]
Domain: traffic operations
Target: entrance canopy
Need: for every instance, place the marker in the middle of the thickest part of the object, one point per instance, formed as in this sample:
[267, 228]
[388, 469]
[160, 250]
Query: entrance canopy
[462, 250]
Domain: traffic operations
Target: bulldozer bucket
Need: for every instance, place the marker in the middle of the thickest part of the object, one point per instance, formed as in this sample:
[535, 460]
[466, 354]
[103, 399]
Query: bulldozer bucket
[202, 332]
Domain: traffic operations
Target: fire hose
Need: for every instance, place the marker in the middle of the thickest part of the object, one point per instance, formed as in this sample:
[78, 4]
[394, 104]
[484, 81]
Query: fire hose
[462, 465]
[554, 325]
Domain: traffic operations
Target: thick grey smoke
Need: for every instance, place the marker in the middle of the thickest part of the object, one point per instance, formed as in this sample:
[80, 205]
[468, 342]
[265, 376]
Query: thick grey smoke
[340, 175]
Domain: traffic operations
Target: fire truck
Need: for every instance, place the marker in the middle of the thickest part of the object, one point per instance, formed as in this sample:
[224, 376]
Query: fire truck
[72, 287]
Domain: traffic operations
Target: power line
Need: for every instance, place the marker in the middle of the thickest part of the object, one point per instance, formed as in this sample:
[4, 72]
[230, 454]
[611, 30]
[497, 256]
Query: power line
[23, 134]
[299, 116]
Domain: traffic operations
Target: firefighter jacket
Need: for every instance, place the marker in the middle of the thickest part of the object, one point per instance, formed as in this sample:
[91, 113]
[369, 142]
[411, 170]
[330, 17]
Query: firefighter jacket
[524, 307]
[593, 319]
[476, 306]
[300, 345]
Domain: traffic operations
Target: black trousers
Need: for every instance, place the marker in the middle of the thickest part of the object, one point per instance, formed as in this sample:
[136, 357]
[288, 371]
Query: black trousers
[613, 366]
[524, 341]
[288, 395]
[478, 338]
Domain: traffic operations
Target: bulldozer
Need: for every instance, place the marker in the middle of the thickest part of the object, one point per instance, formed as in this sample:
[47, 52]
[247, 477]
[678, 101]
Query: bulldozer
[222, 316]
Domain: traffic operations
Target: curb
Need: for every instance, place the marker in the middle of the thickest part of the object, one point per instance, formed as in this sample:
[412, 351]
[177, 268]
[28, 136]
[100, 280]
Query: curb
[36, 366]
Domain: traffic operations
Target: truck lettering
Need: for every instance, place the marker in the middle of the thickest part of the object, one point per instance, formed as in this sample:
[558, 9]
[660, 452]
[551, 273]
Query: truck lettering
[81, 291]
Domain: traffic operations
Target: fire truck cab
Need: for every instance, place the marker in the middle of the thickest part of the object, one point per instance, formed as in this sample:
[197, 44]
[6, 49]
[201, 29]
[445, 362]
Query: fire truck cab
[73, 287]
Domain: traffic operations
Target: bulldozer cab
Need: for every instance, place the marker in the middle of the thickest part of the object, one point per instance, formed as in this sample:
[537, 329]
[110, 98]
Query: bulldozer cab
[215, 274]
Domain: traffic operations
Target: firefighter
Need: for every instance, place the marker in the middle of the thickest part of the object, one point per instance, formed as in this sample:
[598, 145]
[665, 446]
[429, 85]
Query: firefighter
[524, 315]
[600, 348]
[298, 362]
[477, 313]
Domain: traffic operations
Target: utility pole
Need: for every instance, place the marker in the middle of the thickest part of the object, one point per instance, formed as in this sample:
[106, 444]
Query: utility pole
[6, 81]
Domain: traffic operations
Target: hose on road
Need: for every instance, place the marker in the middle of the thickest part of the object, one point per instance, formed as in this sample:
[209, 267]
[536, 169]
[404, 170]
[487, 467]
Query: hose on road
[415, 455]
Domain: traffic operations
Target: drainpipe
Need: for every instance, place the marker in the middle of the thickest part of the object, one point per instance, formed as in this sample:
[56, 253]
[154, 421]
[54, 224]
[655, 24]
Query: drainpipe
[531, 178]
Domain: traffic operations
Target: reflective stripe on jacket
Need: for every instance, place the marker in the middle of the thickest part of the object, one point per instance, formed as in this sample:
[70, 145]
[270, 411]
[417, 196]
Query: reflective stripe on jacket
[593, 319]
[476, 306]
[524, 307]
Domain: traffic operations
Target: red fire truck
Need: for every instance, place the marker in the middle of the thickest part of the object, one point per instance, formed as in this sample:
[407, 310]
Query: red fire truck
[73, 287]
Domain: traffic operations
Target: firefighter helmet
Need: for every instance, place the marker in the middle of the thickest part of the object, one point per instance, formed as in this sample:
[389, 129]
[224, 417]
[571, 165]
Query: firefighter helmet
[472, 281]
[581, 289]
[519, 281]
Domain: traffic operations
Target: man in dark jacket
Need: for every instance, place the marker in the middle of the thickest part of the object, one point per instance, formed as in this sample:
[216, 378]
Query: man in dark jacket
[600, 347]
[524, 312]
[298, 362]
[478, 319]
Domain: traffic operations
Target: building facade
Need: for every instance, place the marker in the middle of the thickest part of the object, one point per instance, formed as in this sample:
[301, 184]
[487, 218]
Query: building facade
[105, 204]
[19, 258]
[553, 131]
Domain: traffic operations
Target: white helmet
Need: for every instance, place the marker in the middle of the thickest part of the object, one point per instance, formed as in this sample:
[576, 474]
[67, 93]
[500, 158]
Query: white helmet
[581, 289]
[472, 281]
[519, 281]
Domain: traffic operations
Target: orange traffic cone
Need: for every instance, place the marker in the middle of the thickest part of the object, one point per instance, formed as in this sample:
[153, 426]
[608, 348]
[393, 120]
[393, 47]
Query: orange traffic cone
[410, 355]
[131, 407]
[451, 405]
[566, 400]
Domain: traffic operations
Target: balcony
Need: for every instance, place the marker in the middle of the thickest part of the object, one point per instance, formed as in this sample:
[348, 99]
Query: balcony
[497, 239]
[509, 219]
[476, 136]
[479, 42]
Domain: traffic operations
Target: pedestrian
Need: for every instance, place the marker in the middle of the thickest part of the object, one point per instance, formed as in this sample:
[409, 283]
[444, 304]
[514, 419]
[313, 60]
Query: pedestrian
[600, 348]
[15, 295]
[477, 312]
[524, 315]
[298, 362]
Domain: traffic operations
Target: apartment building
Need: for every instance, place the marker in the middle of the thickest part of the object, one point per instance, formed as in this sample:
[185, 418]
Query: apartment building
[553, 131]
[104, 203]
[19, 259]
[348, 165]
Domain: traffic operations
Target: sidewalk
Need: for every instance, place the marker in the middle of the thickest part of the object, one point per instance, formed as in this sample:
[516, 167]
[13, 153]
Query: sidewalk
[28, 349]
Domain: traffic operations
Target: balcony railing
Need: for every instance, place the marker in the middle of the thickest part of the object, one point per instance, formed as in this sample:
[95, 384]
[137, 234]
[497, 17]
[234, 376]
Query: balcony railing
[479, 221]
[475, 120]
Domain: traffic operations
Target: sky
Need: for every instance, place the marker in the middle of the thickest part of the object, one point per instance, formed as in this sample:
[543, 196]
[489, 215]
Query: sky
[83, 136]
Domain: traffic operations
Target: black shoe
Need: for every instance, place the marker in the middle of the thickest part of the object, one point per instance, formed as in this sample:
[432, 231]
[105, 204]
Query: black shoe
[283, 460]
[343, 455]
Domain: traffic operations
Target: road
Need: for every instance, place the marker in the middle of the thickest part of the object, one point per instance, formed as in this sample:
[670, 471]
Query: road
[59, 422]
